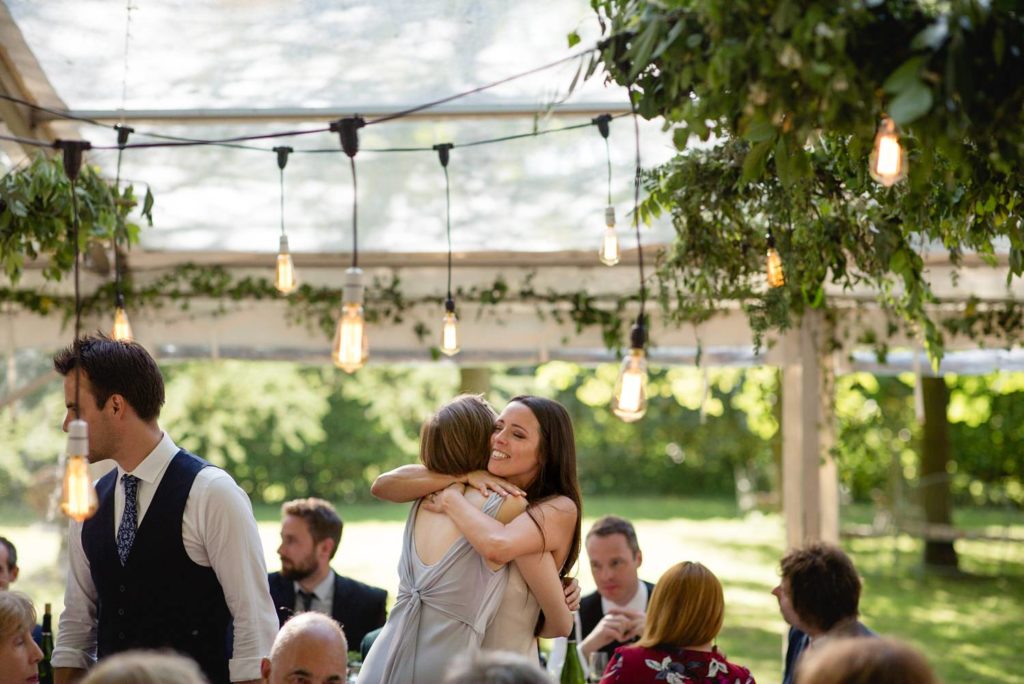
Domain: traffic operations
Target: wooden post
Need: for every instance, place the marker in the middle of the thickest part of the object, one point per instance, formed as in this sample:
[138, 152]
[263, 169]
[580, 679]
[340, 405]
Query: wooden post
[809, 485]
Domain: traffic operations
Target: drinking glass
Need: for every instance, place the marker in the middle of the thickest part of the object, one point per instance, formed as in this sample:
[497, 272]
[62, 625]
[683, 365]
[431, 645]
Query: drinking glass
[597, 662]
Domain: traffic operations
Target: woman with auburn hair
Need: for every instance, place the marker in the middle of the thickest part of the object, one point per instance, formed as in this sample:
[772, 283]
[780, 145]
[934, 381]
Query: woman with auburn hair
[19, 655]
[684, 617]
[860, 660]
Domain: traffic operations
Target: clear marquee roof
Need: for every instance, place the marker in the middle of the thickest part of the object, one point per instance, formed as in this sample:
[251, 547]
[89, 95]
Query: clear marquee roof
[200, 59]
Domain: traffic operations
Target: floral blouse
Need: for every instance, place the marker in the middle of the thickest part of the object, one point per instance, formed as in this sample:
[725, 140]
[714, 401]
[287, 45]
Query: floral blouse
[672, 665]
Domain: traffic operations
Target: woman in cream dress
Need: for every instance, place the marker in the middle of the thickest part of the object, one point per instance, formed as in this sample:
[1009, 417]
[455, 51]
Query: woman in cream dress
[532, 453]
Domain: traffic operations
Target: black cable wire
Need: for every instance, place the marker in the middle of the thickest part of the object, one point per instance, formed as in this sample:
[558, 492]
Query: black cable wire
[355, 214]
[122, 139]
[26, 141]
[241, 138]
[78, 296]
[488, 86]
[636, 206]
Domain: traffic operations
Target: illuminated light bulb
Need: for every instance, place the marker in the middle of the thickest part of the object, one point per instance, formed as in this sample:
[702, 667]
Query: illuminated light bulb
[629, 400]
[122, 329]
[78, 495]
[888, 162]
[609, 253]
[450, 331]
[351, 349]
[776, 274]
[284, 278]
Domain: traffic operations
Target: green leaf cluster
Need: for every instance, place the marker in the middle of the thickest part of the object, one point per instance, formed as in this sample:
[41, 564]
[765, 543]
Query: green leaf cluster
[37, 215]
[774, 106]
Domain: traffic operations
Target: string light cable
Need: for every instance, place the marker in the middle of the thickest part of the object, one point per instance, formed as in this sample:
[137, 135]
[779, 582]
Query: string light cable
[449, 330]
[284, 273]
[351, 350]
[629, 398]
[609, 253]
[78, 495]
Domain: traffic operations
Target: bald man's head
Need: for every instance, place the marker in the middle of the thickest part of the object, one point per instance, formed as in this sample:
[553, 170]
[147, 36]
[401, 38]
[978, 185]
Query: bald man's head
[311, 646]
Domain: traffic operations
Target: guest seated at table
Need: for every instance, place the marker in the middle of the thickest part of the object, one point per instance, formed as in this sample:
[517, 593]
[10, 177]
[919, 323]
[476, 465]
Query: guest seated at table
[309, 649]
[864, 661]
[818, 597]
[496, 667]
[684, 617]
[146, 667]
[19, 655]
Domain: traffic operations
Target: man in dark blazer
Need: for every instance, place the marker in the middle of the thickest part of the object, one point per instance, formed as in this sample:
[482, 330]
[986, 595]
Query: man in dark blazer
[614, 614]
[310, 534]
[818, 596]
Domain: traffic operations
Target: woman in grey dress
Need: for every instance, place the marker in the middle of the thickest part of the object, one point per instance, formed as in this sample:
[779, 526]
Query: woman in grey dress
[532, 452]
[447, 593]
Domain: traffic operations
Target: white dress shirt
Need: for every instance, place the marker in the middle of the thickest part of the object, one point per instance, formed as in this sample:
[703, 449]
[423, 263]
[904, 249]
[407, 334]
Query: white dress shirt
[559, 644]
[323, 596]
[218, 530]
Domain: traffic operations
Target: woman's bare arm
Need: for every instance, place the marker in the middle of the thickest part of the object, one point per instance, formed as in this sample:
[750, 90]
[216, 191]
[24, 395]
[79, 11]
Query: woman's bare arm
[502, 543]
[541, 575]
[410, 482]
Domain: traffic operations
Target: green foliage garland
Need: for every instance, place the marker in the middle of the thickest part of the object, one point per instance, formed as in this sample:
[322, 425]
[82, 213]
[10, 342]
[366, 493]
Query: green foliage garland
[786, 97]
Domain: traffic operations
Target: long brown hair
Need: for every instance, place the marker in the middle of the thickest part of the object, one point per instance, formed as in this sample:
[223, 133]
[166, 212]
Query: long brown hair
[557, 458]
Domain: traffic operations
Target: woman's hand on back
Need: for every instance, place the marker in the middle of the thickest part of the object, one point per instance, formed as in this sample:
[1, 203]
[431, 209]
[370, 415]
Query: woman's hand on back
[484, 482]
[435, 502]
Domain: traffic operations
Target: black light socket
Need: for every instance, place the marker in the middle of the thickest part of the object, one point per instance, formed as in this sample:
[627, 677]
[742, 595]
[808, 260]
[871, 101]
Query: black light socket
[348, 131]
[443, 150]
[449, 305]
[602, 122]
[282, 156]
[638, 334]
[72, 150]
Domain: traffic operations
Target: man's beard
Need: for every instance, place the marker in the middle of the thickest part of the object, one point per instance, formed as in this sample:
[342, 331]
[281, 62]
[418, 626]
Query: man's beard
[297, 572]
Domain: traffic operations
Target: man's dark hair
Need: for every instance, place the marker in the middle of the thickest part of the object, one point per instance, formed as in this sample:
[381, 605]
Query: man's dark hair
[116, 367]
[823, 585]
[12, 553]
[613, 524]
[323, 521]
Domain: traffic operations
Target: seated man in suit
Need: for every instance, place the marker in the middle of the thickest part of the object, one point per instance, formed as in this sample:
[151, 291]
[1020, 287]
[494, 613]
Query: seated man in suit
[614, 614]
[818, 597]
[310, 534]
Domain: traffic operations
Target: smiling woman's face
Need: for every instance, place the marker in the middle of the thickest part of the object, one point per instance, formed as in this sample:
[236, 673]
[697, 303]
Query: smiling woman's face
[515, 446]
[19, 658]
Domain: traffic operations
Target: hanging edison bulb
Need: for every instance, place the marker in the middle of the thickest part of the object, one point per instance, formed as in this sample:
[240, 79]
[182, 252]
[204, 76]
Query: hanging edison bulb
[122, 329]
[284, 277]
[629, 399]
[351, 348]
[888, 161]
[78, 495]
[450, 331]
[609, 253]
[776, 274]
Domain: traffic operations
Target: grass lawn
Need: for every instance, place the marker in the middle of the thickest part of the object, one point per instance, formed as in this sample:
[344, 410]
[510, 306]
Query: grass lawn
[970, 626]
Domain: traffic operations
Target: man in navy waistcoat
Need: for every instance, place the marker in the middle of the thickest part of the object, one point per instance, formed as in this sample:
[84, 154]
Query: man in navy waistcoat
[172, 558]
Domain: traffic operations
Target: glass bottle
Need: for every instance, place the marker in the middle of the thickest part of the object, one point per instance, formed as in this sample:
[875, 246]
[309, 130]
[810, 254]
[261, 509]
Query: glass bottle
[46, 644]
[572, 668]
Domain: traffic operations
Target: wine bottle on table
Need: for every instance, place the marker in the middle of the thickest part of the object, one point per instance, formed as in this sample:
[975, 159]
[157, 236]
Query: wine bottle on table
[46, 644]
[572, 668]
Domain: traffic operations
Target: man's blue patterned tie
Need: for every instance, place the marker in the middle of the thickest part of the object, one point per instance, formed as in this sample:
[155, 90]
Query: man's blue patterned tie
[129, 518]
